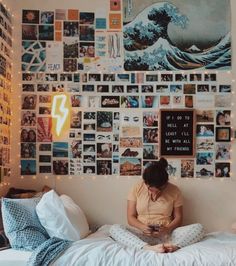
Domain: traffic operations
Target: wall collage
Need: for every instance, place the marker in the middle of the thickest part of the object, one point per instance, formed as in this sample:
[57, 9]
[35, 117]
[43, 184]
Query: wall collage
[118, 79]
[5, 90]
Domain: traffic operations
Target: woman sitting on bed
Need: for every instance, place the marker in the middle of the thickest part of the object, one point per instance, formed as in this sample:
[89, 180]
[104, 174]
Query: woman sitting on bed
[155, 214]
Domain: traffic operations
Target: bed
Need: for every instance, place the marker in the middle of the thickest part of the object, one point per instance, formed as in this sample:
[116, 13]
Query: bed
[216, 249]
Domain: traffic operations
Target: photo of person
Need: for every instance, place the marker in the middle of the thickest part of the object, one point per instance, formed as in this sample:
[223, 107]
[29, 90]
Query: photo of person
[187, 168]
[87, 87]
[71, 29]
[223, 134]
[28, 118]
[195, 77]
[150, 135]
[104, 167]
[162, 88]
[188, 101]
[222, 169]
[104, 150]
[203, 88]
[166, 77]
[176, 88]
[86, 18]
[60, 167]
[223, 151]
[76, 100]
[150, 119]
[147, 88]
[43, 110]
[205, 130]
[189, 88]
[28, 167]
[129, 102]
[117, 88]
[29, 101]
[150, 152]
[75, 118]
[223, 117]
[28, 76]
[210, 77]
[102, 88]
[164, 101]
[132, 89]
[46, 32]
[45, 147]
[149, 101]
[28, 150]
[28, 87]
[87, 33]
[28, 135]
[89, 148]
[89, 169]
[109, 77]
[76, 149]
[45, 99]
[89, 126]
[87, 49]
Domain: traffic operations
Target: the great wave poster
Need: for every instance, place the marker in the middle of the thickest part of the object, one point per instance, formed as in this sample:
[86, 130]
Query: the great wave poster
[176, 35]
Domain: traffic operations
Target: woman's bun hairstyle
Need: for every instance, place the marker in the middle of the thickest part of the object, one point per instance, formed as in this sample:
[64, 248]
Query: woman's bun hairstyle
[155, 174]
[163, 162]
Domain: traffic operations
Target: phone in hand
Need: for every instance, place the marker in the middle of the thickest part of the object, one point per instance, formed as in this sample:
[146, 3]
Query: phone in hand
[154, 227]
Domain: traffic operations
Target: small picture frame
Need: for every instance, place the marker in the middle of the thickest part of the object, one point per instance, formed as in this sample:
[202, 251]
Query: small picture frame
[223, 134]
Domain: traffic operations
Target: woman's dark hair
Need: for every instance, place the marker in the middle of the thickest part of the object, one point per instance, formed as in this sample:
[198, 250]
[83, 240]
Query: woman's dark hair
[155, 175]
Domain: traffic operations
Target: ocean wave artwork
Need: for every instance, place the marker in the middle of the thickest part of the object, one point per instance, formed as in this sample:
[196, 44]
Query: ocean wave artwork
[161, 37]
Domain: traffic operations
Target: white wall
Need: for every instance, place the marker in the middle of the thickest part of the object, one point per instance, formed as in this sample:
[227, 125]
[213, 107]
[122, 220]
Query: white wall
[210, 202]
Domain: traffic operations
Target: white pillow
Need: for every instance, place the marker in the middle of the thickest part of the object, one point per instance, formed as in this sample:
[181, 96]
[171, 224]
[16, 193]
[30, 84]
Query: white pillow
[61, 221]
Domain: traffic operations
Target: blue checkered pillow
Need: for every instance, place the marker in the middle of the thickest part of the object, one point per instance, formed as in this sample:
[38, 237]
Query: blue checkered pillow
[21, 223]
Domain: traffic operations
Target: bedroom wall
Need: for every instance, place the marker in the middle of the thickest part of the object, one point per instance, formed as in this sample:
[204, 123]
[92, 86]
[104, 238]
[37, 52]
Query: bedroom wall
[209, 201]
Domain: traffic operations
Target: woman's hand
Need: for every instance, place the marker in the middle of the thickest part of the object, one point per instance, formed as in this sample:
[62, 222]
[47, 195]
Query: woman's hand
[163, 230]
[147, 231]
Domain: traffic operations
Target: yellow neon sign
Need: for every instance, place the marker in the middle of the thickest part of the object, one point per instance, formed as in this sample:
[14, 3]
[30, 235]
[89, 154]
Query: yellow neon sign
[60, 113]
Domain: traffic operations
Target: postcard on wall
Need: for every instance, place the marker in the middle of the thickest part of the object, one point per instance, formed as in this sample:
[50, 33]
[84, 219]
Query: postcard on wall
[54, 51]
[162, 35]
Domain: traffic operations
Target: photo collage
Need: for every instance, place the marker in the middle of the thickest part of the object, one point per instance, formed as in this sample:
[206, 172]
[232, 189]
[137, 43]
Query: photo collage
[5, 90]
[106, 136]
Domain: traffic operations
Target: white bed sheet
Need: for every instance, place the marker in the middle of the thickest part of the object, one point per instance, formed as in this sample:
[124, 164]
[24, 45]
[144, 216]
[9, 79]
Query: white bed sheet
[216, 249]
[11, 257]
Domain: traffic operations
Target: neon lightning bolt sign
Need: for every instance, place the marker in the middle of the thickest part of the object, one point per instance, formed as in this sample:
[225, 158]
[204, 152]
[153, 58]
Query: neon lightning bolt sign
[60, 112]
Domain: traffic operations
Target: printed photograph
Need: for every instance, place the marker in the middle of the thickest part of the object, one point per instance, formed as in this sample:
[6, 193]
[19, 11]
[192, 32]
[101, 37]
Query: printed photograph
[104, 150]
[129, 102]
[150, 135]
[225, 88]
[205, 158]
[86, 18]
[176, 88]
[103, 88]
[110, 101]
[44, 129]
[223, 134]
[150, 119]
[76, 149]
[60, 149]
[195, 77]
[150, 152]
[205, 130]
[149, 101]
[45, 169]
[75, 119]
[30, 16]
[28, 150]
[87, 33]
[47, 17]
[223, 151]
[222, 169]
[189, 88]
[45, 147]
[117, 88]
[46, 32]
[205, 144]
[89, 169]
[104, 167]
[205, 116]
[28, 118]
[29, 101]
[89, 137]
[223, 117]
[181, 77]
[28, 167]
[104, 121]
[174, 168]
[147, 88]
[151, 77]
[134, 142]
[203, 88]
[130, 166]
[28, 87]
[45, 158]
[87, 49]
[60, 167]
[71, 29]
[28, 135]
[206, 171]
[187, 168]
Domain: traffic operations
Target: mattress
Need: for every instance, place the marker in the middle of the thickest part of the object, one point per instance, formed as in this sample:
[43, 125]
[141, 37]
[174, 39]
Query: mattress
[11, 257]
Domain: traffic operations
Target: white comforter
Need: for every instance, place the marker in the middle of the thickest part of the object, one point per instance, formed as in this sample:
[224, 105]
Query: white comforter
[217, 249]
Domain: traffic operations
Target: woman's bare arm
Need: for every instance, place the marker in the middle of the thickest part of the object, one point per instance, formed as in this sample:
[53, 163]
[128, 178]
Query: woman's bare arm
[132, 217]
